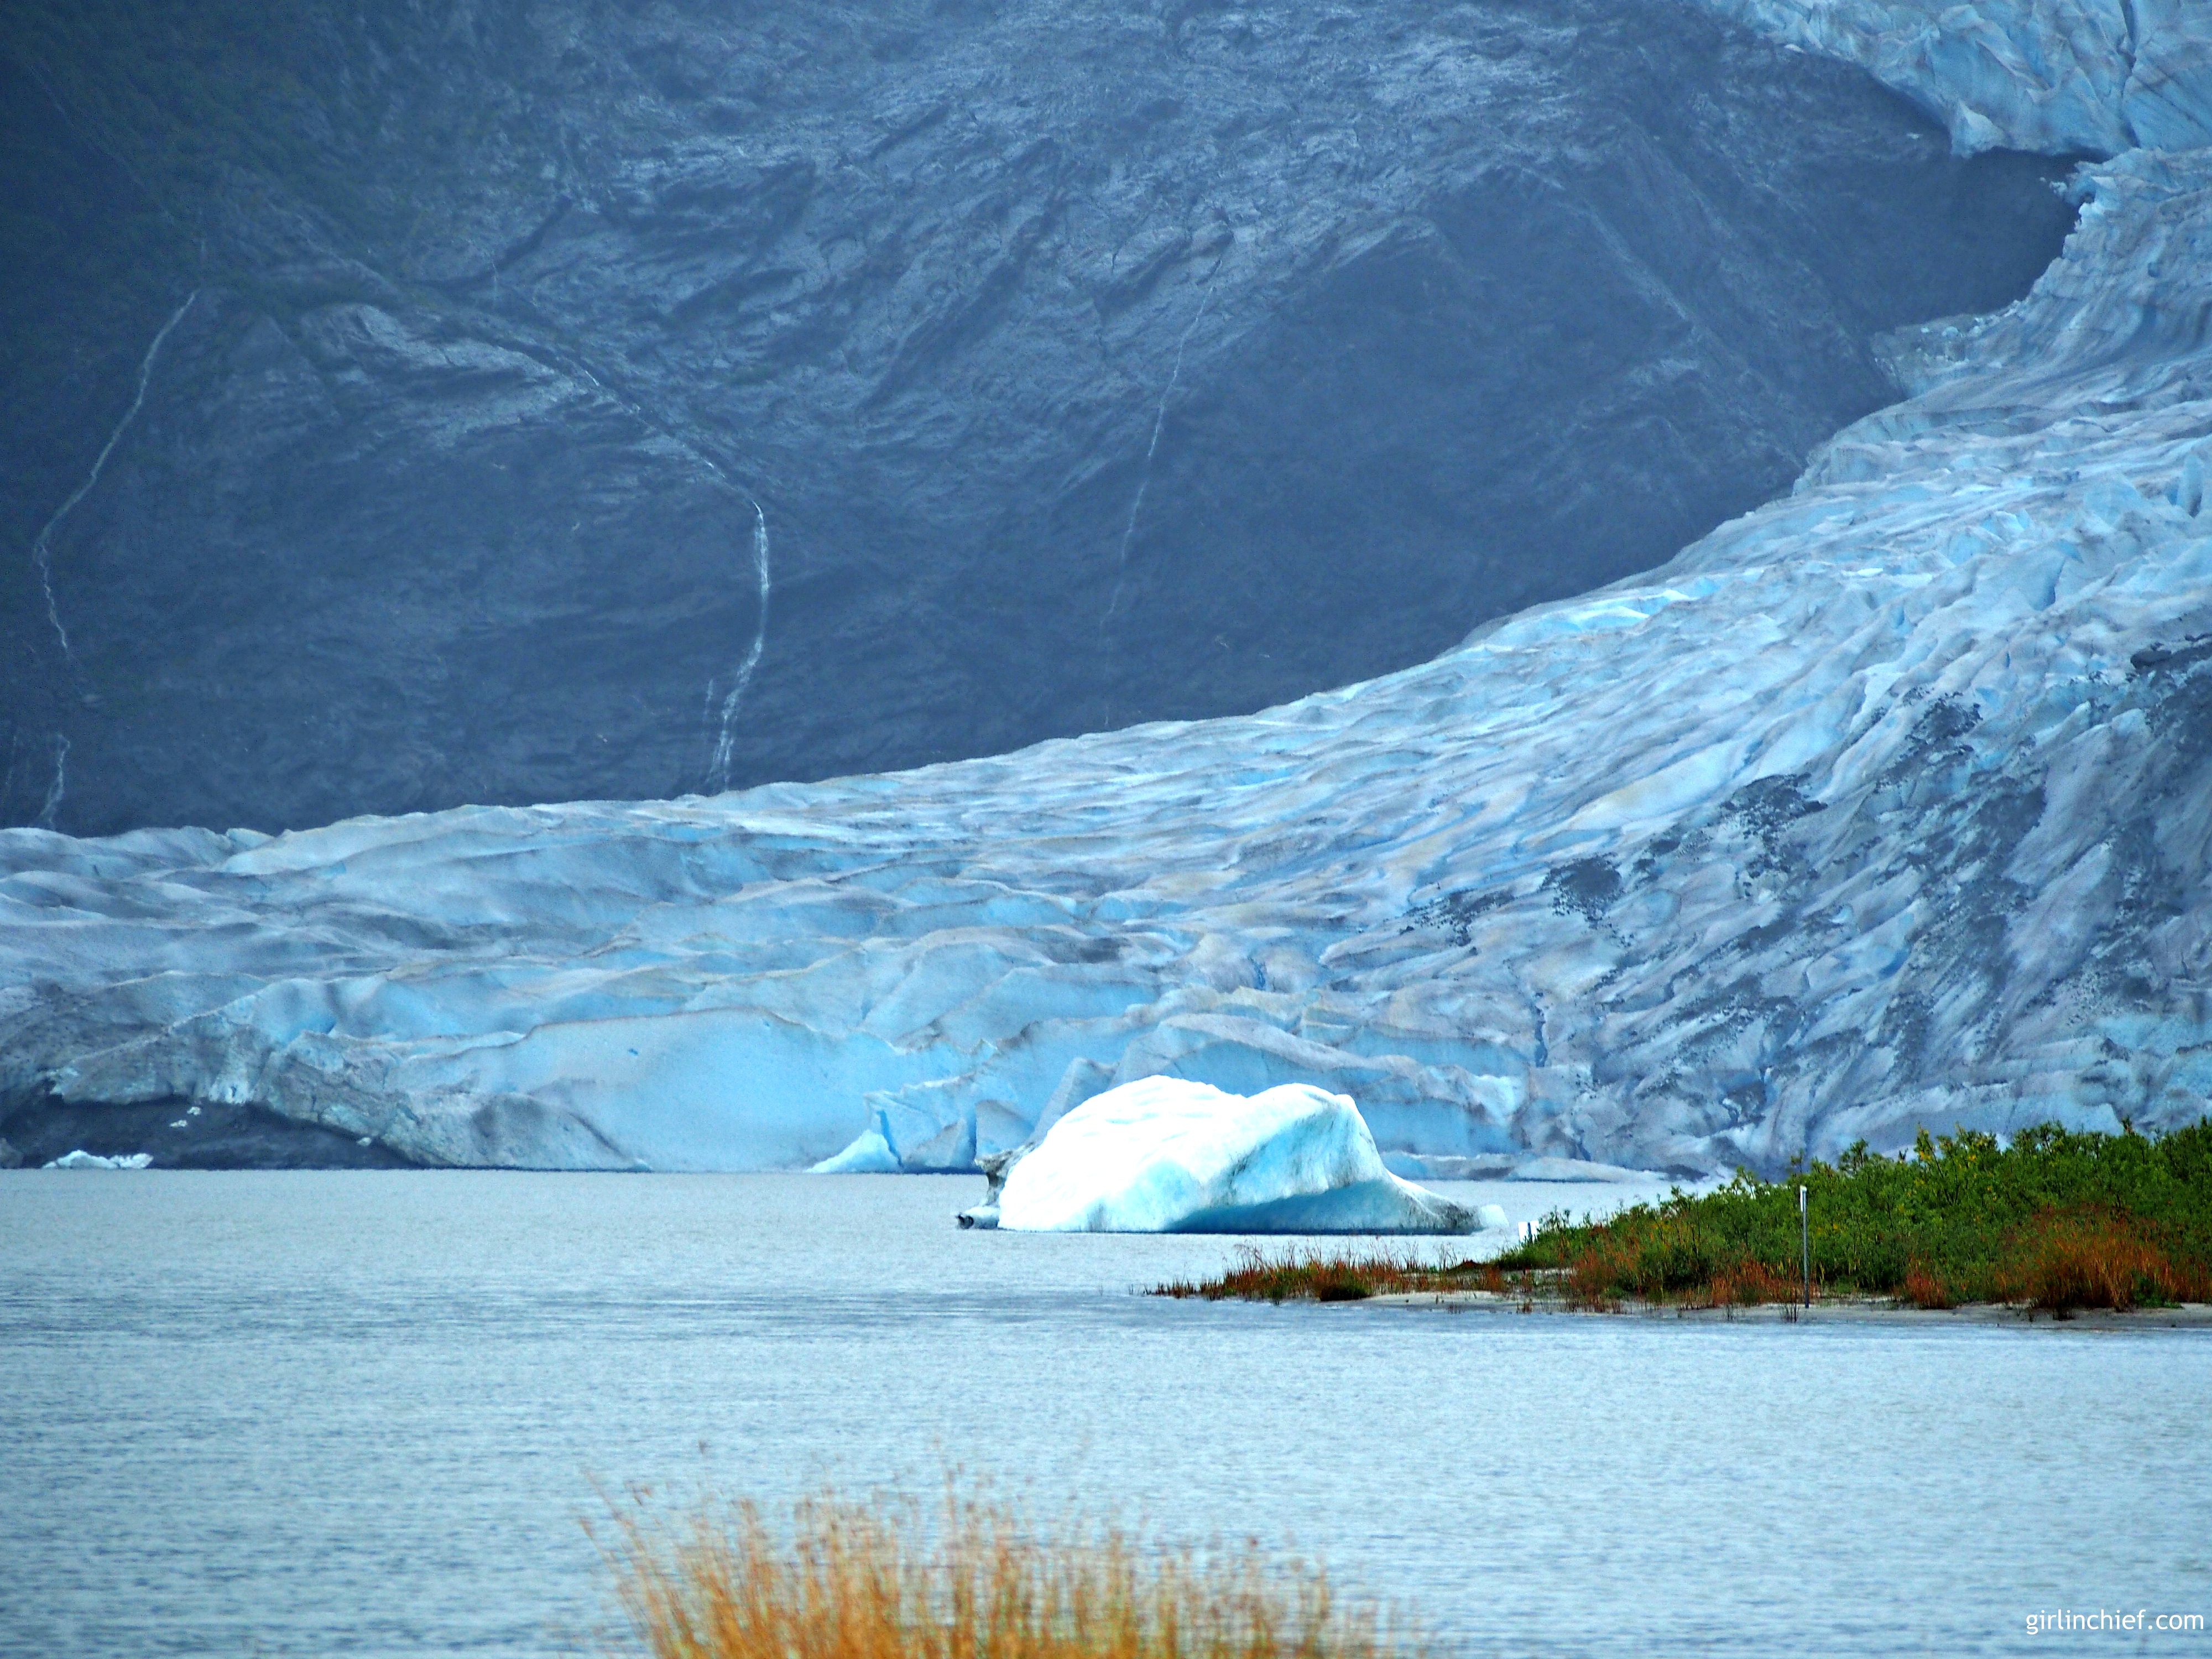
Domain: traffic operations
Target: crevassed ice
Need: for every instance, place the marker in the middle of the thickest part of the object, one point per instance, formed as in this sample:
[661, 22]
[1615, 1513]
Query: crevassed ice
[1886, 805]
[2067, 77]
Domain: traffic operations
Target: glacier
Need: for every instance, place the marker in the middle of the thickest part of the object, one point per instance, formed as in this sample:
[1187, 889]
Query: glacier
[1888, 803]
[1163, 1154]
[2066, 77]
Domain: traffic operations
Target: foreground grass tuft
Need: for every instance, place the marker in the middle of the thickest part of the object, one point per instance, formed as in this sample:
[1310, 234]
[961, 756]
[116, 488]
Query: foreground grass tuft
[2055, 1221]
[886, 1578]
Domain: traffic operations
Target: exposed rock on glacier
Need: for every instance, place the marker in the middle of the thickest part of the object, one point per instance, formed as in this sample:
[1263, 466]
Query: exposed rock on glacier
[1163, 1154]
[1887, 804]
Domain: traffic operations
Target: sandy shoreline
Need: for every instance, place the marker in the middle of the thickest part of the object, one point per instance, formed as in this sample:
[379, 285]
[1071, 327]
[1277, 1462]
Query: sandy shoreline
[2189, 1315]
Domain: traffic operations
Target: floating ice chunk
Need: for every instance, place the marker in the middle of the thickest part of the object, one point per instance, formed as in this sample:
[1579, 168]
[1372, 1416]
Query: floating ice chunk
[1576, 1168]
[81, 1159]
[869, 1154]
[1449, 1166]
[1170, 1155]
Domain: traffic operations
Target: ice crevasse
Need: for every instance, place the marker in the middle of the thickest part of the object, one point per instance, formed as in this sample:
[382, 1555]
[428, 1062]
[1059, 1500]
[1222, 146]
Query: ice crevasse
[1888, 803]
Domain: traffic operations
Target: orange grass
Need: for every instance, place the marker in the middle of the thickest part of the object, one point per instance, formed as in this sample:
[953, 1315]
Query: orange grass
[886, 1578]
[1592, 1275]
[1923, 1287]
[1750, 1283]
[2093, 1257]
[1314, 1275]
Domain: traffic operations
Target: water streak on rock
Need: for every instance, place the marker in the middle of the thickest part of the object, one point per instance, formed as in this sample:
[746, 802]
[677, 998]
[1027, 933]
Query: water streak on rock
[59, 786]
[1151, 448]
[41, 553]
[719, 769]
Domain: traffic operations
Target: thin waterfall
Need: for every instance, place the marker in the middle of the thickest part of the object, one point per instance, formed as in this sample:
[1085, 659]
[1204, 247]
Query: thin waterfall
[59, 787]
[1160, 425]
[718, 770]
[41, 550]
[718, 767]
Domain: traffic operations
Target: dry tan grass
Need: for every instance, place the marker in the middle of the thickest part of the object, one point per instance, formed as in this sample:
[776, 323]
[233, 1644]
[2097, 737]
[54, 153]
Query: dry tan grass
[886, 1578]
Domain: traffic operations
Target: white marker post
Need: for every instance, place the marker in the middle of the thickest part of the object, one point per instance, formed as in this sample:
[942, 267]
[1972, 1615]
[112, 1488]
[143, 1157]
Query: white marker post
[1805, 1239]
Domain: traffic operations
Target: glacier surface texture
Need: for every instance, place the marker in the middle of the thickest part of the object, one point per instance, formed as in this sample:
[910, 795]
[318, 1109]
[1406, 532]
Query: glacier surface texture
[1165, 1155]
[1886, 805]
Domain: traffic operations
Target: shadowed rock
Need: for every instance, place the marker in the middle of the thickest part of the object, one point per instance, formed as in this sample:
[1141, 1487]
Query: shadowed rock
[582, 401]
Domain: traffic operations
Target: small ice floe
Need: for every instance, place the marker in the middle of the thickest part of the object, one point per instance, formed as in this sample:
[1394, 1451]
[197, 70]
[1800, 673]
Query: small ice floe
[180, 1123]
[81, 1159]
[1577, 1169]
[1168, 1155]
[1509, 1166]
[869, 1154]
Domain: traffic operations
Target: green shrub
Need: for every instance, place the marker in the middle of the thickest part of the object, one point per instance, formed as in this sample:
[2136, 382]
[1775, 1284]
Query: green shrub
[2057, 1218]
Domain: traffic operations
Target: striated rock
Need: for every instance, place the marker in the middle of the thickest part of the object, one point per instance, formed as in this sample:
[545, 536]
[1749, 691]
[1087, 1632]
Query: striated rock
[536, 400]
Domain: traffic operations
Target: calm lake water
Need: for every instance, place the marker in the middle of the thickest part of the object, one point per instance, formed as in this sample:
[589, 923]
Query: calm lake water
[361, 1413]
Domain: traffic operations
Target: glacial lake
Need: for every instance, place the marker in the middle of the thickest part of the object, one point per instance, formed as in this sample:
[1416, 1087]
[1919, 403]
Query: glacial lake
[321, 1414]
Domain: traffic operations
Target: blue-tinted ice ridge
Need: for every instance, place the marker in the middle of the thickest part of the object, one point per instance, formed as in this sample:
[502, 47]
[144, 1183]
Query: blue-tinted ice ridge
[2065, 77]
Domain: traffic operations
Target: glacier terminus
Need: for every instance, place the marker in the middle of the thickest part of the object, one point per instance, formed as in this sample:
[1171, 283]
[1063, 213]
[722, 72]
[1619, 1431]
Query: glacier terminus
[1887, 804]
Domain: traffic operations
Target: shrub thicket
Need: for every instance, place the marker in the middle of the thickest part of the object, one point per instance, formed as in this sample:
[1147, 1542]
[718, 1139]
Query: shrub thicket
[2057, 1220]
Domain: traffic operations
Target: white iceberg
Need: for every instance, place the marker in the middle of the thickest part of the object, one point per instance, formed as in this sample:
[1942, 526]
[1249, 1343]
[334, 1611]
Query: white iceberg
[1168, 1154]
[81, 1159]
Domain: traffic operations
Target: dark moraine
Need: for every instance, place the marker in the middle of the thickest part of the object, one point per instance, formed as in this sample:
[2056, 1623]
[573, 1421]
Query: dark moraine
[215, 1137]
[1087, 362]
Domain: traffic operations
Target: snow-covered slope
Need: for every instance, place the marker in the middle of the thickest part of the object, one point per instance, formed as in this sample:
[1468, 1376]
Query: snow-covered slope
[1889, 804]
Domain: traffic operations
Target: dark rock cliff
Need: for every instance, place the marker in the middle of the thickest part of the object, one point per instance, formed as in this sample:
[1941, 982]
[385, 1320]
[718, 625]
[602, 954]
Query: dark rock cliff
[555, 399]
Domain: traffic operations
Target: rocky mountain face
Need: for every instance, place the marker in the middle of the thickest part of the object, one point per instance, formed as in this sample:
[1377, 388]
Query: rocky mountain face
[518, 400]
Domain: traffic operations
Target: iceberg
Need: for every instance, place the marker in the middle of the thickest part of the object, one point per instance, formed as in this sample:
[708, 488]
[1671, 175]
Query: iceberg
[1165, 1155]
[81, 1159]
